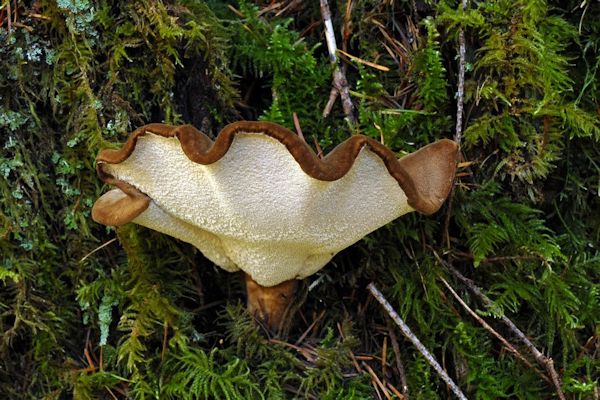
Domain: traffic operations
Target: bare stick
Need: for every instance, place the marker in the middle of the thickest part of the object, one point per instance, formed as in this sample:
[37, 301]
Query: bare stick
[460, 98]
[376, 379]
[461, 83]
[297, 126]
[396, 392]
[310, 328]
[97, 248]
[340, 83]
[543, 360]
[399, 364]
[505, 342]
[461, 87]
[333, 95]
[9, 16]
[415, 341]
[384, 358]
[164, 343]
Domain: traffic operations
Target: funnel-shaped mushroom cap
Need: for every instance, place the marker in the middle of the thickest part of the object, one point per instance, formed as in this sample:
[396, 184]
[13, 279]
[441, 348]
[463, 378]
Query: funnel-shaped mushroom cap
[259, 200]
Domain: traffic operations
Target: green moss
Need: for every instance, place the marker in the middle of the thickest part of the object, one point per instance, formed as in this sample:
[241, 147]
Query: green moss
[88, 311]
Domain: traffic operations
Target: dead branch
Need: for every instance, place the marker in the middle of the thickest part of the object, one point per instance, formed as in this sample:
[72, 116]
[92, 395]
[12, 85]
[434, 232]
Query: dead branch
[497, 259]
[399, 364]
[397, 392]
[297, 126]
[505, 342]
[340, 83]
[310, 328]
[352, 356]
[384, 358]
[164, 342]
[461, 82]
[415, 341]
[544, 361]
[98, 248]
[377, 381]
[460, 97]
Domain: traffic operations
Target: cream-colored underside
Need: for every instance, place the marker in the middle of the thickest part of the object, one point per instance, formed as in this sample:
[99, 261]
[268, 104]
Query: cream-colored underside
[255, 209]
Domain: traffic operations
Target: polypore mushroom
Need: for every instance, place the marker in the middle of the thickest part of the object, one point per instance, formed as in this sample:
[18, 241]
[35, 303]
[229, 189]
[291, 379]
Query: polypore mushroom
[258, 198]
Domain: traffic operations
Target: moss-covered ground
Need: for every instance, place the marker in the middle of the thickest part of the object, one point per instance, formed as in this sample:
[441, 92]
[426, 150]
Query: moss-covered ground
[90, 312]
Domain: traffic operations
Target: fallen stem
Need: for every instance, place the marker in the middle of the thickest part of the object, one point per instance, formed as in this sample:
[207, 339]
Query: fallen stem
[376, 379]
[399, 364]
[505, 342]
[396, 392]
[310, 328]
[340, 83]
[98, 248]
[415, 341]
[461, 82]
[460, 99]
[297, 126]
[543, 360]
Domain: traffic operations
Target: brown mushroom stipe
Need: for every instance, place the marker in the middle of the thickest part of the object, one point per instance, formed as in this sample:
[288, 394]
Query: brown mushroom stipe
[259, 199]
[270, 304]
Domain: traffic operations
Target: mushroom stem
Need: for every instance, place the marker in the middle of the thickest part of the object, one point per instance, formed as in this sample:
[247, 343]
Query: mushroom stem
[270, 304]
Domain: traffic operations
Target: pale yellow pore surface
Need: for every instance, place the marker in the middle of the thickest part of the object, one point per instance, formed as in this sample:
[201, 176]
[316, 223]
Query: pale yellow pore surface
[255, 209]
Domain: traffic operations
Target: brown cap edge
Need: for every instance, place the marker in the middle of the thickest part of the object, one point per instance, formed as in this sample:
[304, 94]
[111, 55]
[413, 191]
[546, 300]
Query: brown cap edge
[422, 194]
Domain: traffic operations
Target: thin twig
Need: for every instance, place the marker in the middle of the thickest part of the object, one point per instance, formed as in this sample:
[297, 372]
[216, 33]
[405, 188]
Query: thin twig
[396, 392]
[21, 25]
[101, 363]
[461, 82]
[333, 95]
[340, 83]
[310, 328]
[297, 126]
[347, 25]
[305, 351]
[491, 260]
[97, 248]
[9, 16]
[291, 5]
[542, 359]
[587, 346]
[505, 342]
[364, 62]
[111, 393]
[376, 379]
[235, 11]
[164, 342]
[399, 364]
[460, 98]
[319, 155]
[352, 356]
[415, 341]
[384, 358]
[37, 16]
[16, 7]
[269, 8]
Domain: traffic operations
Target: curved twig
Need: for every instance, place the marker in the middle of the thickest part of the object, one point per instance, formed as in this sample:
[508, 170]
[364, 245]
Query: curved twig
[415, 341]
